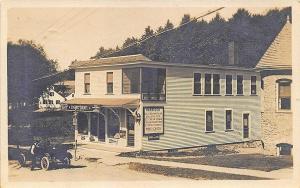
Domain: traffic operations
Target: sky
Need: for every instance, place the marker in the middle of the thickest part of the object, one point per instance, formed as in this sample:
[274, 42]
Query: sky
[77, 33]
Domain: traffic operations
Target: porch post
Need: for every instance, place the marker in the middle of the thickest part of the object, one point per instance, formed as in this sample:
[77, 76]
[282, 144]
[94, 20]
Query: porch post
[89, 124]
[75, 124]
[106, 125]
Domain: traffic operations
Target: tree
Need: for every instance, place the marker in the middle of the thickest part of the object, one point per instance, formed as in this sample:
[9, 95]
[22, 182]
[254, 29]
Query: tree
[27, 61]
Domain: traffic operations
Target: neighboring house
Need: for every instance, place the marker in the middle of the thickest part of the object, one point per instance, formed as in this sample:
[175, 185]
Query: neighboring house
[56, 94]
[276, 72]
[134, 102]
[50, 100]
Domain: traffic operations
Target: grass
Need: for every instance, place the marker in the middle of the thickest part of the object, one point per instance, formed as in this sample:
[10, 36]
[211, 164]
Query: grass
[242, 161]
[188, 173]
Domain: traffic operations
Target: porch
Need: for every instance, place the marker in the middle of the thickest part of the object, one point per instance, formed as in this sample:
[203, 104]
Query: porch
[106, 122]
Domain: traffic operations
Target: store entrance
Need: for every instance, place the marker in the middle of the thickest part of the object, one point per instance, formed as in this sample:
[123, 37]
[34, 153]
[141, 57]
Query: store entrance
[101, 130]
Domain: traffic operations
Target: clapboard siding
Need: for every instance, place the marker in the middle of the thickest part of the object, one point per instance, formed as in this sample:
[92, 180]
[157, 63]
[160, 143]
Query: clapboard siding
[184, 114]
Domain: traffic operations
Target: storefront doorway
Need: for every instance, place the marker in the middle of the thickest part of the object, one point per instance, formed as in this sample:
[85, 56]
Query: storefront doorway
[130, 129]
[101, 130]
[82, 123]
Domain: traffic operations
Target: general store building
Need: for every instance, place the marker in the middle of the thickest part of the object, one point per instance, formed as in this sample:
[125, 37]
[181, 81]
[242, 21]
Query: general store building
[134, 102]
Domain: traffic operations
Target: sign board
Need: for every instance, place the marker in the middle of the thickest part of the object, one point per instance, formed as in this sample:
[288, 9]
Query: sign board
[153, 120]
[153, 137]
[72, 107]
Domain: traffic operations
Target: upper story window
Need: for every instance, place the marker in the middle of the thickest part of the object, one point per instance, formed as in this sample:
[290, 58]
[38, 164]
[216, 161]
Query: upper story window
[239, 85]
[253, 85]
[109, 83]
[50, 101]
[209, 121]
[284, 94]
[87, 83]
[153, 84]
[216, 84]
[45, 101]
[207, 84]
[131, 81]
[228, 84]
[57, 101]
[197, 83]
[51, 93]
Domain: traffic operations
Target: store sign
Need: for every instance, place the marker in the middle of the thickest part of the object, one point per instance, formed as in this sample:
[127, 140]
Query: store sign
[72, 107]
[153, 120]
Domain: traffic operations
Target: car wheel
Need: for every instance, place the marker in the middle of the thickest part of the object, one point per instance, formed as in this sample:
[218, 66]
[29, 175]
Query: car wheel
[45, 163]
[67, 162]
[22, 159]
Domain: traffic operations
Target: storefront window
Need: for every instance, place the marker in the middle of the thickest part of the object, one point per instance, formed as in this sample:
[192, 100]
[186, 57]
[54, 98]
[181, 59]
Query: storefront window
[82, 123]
[113, 123]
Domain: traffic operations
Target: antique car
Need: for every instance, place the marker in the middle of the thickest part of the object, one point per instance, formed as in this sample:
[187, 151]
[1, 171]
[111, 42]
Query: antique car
[48, 156]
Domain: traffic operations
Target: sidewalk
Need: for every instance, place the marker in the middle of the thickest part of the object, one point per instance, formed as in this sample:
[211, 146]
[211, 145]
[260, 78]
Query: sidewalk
[111, 158]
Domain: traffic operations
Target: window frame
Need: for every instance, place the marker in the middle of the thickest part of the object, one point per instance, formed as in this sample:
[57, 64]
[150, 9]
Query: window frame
[107, 83]
[226, 94]
[249, 125]
[225, 120]
[213, 84]
[213, 117]
[200, 82]
[253, 94]
[85, 84]
[237, 85]
[284, 80]
[210, 88]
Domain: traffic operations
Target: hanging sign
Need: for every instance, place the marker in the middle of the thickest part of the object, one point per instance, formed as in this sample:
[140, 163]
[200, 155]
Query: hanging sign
[72, 107]
[153, 120]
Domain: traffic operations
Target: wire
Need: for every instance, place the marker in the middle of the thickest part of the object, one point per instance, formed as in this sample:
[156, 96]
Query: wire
[157, 34]
[143, 40]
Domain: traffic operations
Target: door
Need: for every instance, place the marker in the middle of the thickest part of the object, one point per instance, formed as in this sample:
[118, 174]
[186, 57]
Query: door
[246, 125]
[101, 129]
[130, 129]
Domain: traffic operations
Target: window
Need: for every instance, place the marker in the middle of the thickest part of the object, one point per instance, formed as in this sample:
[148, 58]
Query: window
[51, 93]
[197, 83]
[228, 118]
[207, 83]
[253, 85]
[87, 83]
[284, 94]
[109, 83]
[131, 80]
[57, 101]
[239, 88]
[50, 101]
[228, 84]
[209, 124]
[45, 101]
[216, 84]
[246, 125]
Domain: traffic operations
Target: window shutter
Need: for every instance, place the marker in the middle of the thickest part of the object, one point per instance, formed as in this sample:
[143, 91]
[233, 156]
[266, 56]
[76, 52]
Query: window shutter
[284, 90]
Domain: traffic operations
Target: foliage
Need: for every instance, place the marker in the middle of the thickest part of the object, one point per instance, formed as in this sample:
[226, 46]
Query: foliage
[27, 61]
[204, 42]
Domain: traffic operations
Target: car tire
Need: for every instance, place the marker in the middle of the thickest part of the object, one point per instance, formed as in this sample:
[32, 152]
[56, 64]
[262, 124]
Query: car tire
[22, 160]
[45, 163]
[67, 162]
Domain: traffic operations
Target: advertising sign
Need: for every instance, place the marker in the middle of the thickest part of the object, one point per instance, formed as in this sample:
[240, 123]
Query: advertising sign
[153, 120]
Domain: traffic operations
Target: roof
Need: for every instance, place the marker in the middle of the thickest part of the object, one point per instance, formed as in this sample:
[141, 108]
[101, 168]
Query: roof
[279, 53]
[111, 102]
[110, 61]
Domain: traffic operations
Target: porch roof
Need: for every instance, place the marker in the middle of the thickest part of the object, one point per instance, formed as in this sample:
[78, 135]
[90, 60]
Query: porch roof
[112, 102]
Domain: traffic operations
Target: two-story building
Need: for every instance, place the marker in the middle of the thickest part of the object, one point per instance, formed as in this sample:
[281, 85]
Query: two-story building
[132, 101]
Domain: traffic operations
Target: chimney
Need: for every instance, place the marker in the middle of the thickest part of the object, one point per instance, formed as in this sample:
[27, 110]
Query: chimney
[288, 20]
[233, 53]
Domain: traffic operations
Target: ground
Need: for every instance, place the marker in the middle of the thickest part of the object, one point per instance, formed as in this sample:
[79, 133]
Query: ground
[100, 165]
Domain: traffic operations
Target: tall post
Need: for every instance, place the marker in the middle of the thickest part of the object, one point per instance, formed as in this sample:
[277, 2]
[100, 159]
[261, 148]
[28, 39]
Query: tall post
[75, 124]
[106, 125]
[89, 124]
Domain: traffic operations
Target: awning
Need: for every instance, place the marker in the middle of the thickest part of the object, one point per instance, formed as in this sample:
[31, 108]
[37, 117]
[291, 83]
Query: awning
[111, 102]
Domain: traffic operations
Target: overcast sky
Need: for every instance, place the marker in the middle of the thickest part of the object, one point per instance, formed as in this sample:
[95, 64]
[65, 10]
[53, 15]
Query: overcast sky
[77, 33]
